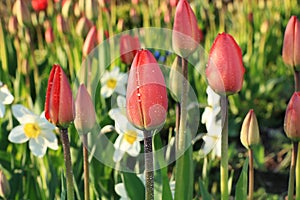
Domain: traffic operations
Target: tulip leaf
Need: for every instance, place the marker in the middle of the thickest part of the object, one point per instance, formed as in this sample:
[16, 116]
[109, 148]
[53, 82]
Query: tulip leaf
[203, 191]
[134, 186]
[241, 186]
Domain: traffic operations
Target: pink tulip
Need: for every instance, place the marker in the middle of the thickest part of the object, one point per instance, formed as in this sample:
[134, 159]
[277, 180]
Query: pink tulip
[128, 48]
[146, 97]
[292, 117]
[186, 35]
[59, 105]
[49, 36]
[291, 43]
[90, 41]
[225, 70]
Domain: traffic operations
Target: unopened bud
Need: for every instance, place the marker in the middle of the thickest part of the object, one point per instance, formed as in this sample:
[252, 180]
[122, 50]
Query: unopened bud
[13, 25]
[66, 8]
[176, 79]
[21, 10]
[83, 26]
[250, 131]
[91, 9]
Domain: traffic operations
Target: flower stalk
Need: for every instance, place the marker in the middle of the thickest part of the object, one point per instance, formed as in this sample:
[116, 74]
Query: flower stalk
[292, 171]
[68, 162]
[224, 149]
[296, 170]
[251, 175]
[85, 167]
[149, 174]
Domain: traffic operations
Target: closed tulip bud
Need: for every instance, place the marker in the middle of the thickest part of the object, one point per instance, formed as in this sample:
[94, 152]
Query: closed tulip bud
[59, 105]
[250, 130]
[176, 79]
[146, 98]
[186, 35]
[128, 48]
[91, 9]
[66, 8]
[292, 117]
[39, 5]
[13, 25]
[291, 43]
[83, 26]
[4, 186]
[49, 36]
[225, 69]
[85, 117]
[21, 10]
[90, 41]
[62, 25]
[77, 11]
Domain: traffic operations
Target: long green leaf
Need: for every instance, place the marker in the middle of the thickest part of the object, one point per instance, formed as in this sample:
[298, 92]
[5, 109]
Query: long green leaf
[134, 186]
[204, 193]
[241, 186]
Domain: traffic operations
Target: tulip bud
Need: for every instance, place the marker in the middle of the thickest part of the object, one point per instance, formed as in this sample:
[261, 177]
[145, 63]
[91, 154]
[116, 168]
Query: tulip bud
[292, 116]
[4, 186]
[91, 9]
[12, 25]
[59, 105]
[291, 43]
[225, 70]
[62, 25]
[134, 16]
[250, 130]
[176, 79]
[66, 9]
[85, 117]
[21, 10]
[39, 5]
[146, 97]
[90, 41]
[83, 26]
[186, 36]
[49, 36]
[128, 48]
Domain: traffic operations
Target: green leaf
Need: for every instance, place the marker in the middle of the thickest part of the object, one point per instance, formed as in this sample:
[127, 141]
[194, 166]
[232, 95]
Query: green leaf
[203, 191]
[242, 184]
[63, 187]
[134, 186]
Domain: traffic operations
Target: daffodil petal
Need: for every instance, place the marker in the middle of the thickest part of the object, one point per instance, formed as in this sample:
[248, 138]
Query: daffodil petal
[22, 114]
[50, 138]
[17, 135]
[209, 143]
[118, 155]
[121, 191]
[106, 92]
[134, 149]
[5, 96]
[37, 146]
[2, 110]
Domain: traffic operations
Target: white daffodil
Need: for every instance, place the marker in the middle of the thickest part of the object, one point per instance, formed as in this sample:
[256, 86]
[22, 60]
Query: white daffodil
[121, 190]
[129, 137]
[211, 117]
[5, 98]
[34, 128]
[113, 81]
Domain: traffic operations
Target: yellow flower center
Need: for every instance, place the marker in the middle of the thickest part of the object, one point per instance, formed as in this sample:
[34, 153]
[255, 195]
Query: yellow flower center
[130, 136]
[32, 130]
[111, 83]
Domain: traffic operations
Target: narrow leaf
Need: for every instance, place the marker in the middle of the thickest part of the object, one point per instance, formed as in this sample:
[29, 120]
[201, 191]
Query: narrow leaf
[242, 185]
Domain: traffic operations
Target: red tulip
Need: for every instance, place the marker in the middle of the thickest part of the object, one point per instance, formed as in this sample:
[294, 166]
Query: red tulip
[90, 41]
[186, 35]
[85, 111]
[291, 43]
[292, 117]
[49, 36]
[146, 97]
[128, 48]
[59, 105]
[39, 5]
[225, 70]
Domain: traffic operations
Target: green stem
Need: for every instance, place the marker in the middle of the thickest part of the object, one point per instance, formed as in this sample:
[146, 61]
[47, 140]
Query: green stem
[68, 162]
[251, 175]
[224, 150]
[297, 80]
[149, 174]
[292, 171]
[298, 172]
[85, 167]
[177, 123]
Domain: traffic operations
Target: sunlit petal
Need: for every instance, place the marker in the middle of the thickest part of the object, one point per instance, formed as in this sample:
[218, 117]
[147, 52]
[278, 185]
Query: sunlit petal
[17, 135]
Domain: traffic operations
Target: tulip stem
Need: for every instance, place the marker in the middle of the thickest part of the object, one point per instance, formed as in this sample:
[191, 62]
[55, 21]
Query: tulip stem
[224, 149]
[251, 175]
[177, 122]
[292, 171]
[68, 162]
[297, 80]
[149, 174]
[85, 167]
[297, 170]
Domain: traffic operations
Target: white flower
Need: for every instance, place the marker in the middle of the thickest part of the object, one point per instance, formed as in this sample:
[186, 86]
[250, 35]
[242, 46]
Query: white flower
[113, 81]
[211, 117]
[129, 137]
[5, 98]
[34, 128]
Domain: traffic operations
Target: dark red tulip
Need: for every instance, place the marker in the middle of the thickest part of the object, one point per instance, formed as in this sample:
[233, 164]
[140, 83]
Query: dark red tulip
[186, 34]
[291, 43]
[292, 117]
[146, 98]
[39, 5]
[59, 105]
[128, 48]
[225, 69]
